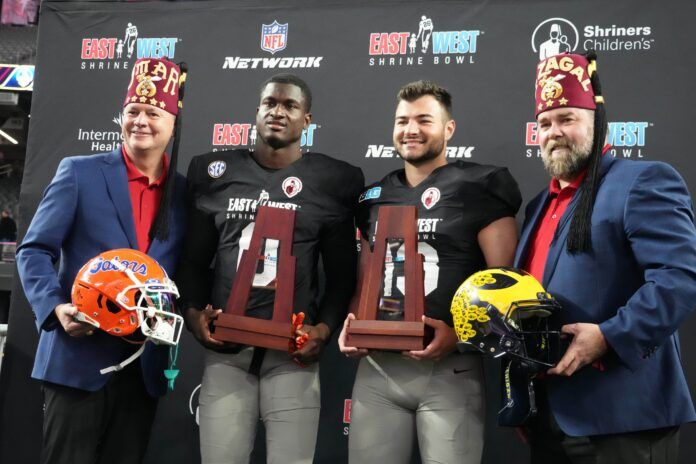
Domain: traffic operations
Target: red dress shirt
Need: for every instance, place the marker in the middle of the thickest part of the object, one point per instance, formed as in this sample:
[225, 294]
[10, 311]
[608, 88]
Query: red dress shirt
[145, 199]
[541, 241]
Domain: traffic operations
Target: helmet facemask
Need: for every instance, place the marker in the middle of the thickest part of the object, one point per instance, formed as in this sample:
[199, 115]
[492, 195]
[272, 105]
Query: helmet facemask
[154, 305]
[529, 337]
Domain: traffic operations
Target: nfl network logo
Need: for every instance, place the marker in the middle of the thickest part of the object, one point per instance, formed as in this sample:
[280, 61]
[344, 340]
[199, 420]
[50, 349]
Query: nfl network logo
[274, 37]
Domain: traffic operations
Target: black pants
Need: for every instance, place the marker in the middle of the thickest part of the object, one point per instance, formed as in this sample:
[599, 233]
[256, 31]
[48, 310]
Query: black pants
[548, 443]
[111, 425]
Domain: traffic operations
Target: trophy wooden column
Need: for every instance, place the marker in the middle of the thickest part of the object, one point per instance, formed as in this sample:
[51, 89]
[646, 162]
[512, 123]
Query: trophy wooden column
[233, 325]
[393, 222]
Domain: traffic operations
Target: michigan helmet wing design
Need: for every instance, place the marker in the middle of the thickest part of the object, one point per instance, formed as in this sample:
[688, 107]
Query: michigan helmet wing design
[506, 312]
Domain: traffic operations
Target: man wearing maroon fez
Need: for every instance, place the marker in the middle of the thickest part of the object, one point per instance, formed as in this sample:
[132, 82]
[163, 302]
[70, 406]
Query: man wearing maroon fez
[131, 197]
[613, 240]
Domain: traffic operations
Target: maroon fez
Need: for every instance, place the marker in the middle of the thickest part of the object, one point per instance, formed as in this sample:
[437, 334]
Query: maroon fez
[155, 82]
[564, 81]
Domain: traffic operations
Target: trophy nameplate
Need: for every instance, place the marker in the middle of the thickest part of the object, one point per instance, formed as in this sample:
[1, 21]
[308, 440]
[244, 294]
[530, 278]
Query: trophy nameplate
[275, 333]
[394, 222]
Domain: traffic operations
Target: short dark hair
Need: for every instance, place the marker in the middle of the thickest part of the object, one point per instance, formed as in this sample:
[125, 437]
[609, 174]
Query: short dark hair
[287, 78]
[415, 90]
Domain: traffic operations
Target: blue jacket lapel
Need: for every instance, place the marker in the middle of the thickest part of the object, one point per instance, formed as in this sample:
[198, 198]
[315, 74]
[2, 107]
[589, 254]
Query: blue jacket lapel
[114, 171]
[559, 240]
[176, 220]
[529, 227]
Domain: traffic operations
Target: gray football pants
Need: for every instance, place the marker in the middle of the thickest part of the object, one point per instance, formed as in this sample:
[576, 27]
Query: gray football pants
[396, 399]
[285, 396]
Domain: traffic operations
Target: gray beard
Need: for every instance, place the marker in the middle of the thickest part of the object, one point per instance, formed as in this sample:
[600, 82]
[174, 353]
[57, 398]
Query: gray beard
[569, 166]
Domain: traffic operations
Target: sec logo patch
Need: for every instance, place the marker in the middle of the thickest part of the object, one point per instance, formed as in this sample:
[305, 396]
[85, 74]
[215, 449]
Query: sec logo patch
[217, 169]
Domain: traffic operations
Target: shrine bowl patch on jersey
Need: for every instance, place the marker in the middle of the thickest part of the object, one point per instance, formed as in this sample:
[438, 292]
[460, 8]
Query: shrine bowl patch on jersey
[430, 197]
[292, 186]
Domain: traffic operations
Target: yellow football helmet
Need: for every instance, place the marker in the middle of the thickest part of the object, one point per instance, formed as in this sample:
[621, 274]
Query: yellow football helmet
[506, 311]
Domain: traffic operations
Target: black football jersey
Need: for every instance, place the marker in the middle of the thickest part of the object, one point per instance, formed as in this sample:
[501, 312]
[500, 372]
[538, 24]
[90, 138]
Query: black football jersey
[454, 203]
[224, 191]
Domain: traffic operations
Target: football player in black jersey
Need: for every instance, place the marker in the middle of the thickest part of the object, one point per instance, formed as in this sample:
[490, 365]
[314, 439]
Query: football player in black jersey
[465, 223]
[225, 189]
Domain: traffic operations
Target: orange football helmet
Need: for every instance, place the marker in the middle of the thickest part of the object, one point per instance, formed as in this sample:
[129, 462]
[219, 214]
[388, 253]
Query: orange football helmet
[123, 290]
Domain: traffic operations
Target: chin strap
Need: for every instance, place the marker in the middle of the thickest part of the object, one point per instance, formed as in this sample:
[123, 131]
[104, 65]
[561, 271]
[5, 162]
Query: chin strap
[125, 362]
[172, 372]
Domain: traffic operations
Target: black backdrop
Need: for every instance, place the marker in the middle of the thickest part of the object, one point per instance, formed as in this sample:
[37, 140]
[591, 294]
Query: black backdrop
[354, 55]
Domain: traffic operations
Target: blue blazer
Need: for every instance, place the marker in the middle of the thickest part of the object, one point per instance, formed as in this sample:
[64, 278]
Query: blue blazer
[84, 211]
[638, 284]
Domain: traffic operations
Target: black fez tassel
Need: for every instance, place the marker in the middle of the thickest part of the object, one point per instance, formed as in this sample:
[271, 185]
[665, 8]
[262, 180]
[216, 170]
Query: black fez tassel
[160, 228]
[580, 234]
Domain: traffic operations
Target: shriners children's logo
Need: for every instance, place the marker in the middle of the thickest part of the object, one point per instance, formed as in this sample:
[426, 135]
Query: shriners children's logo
[292, 186]
[430, 197]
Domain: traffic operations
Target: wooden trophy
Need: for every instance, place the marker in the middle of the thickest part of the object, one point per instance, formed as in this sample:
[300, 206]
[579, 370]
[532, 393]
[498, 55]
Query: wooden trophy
[233, 325]
[394, 222]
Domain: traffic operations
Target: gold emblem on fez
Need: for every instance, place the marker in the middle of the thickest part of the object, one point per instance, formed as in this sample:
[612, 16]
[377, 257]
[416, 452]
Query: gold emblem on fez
[146, 87]
[551, 88]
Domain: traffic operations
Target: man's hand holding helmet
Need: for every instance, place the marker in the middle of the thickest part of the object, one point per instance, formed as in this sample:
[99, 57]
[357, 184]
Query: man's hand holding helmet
[587, 346]
[66, 314]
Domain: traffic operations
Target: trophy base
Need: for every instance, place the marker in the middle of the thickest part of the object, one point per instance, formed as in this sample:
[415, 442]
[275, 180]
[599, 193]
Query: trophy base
[388, 335]
[253, 331]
